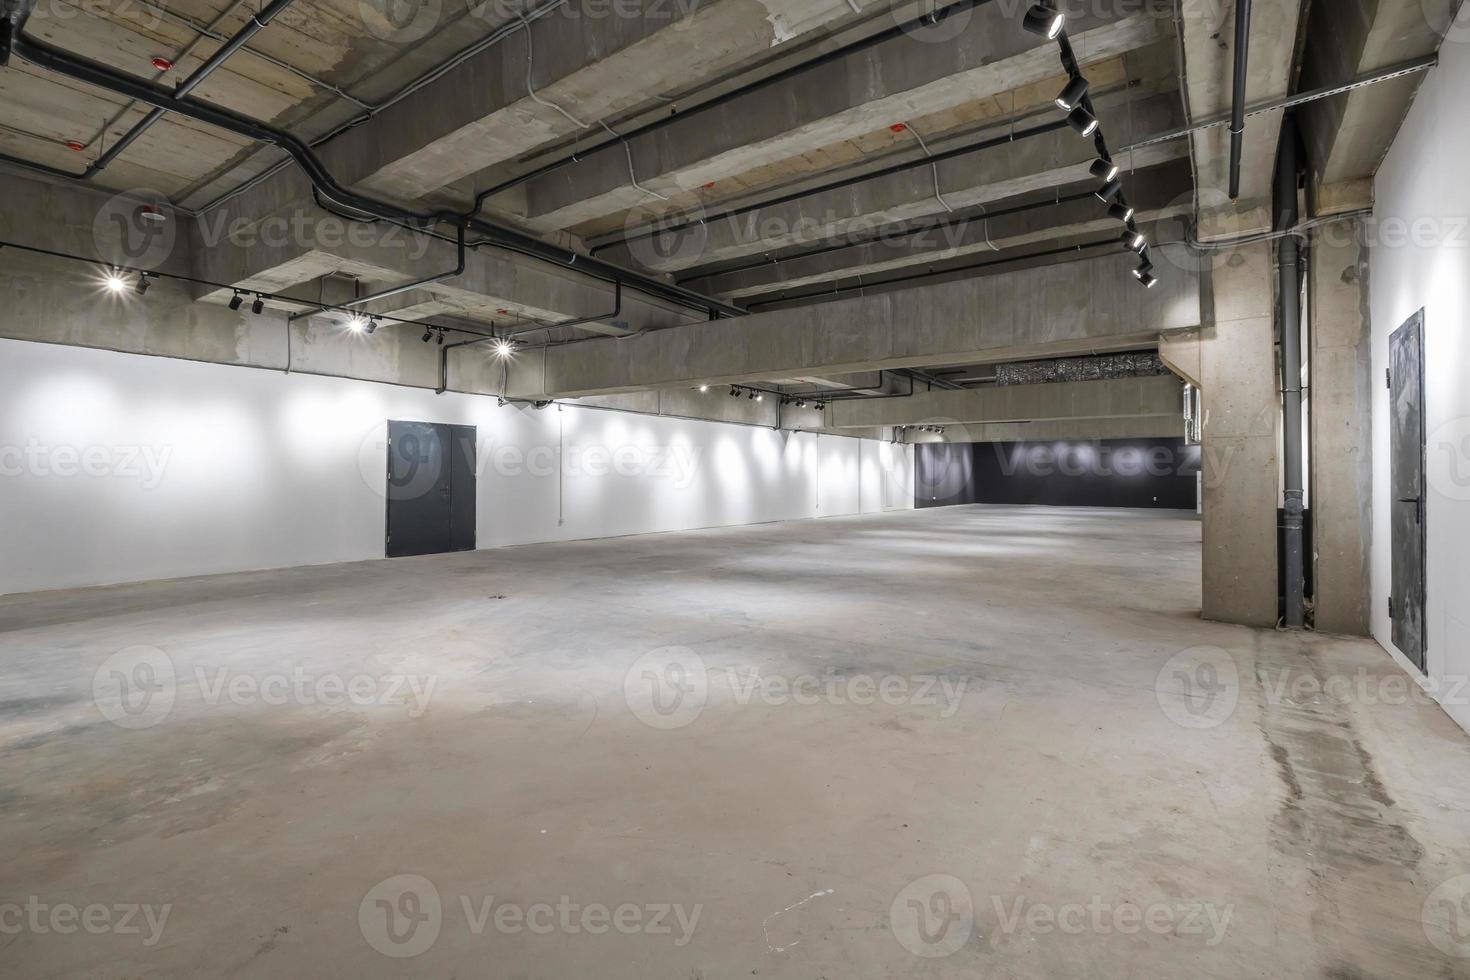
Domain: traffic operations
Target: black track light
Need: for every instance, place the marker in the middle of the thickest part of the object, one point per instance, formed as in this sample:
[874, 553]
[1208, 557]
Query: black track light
[257, 307]
[236, 301]
[372, 325]
[428, 336]
[1042, 19]
[1104, 170]
[734, 392]
[1148, 280]
[751, 396]
[1083, 121]
[441, 338]
[1109, 192]
[1133, 239]
[1123, 212]
[1145, 269]
[143, 283]
[1073, 94]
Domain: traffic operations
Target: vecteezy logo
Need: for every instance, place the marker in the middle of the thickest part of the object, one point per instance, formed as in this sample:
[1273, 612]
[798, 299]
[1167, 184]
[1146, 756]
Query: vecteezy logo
[401, 916]
[135, 687]
[1198, 687]
[933, 916]
[667, 687]
[1446, 917]
[135, 228]
[1448, 458]
[400, 21]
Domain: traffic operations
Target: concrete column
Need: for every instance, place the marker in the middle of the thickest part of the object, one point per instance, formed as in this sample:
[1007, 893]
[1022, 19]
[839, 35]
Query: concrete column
[1341, 395]
[1232, 361]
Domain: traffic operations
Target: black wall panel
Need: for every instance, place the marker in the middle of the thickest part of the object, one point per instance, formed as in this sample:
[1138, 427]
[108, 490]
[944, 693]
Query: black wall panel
[1095, 473]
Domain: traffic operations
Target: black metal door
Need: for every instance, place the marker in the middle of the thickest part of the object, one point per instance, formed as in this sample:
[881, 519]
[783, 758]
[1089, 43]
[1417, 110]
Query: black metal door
[427, 464]
[1407, 482]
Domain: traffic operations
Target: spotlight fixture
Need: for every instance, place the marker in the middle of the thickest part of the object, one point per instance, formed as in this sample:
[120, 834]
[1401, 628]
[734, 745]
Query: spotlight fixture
[1148, 280]
[1123, 212]
[372, 325]
[734, 392]
[1145, 269]
[1042, 19]
[1073, 94]
[1109, 192]
[114, 282]
[1133, 239]
[1082, 121]
[751, 395]
[258, 306]
[440, 338]
[357, 324]
[504, 348]
[143, 283]
[428, 336]
[704, 387]
[236, 301]
[760, 396]
[1104, 170]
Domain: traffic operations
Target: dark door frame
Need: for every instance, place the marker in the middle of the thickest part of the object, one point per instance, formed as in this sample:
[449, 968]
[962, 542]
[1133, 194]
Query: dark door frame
[436, 507]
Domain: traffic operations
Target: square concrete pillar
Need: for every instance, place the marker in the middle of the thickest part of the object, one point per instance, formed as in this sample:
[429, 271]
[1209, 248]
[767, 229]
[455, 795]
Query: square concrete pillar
[1341, 477]
[1232, 360]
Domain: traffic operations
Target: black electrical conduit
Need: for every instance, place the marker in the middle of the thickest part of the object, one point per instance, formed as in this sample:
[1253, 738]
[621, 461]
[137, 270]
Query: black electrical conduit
[918, 23]
[1289, 289]
[1014, 136]
[1237, 110]
[14, 40]
[881, 236]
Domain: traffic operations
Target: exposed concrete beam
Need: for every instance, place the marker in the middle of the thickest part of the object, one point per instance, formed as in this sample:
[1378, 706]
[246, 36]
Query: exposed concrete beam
[1139, 427]
[1159, 192]
[1075, 307]
[1347, 136]
[1209, 40]
[1111, 398]
[902, 80]
[1039, 164]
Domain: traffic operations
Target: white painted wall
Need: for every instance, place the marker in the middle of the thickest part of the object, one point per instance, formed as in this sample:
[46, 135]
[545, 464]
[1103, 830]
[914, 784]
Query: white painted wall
[1421, 258]
[121, 467]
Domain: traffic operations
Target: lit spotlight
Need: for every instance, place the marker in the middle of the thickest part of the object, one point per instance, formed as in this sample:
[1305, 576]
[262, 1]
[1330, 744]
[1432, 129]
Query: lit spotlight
[1122, 212]
[1148, 280]
[258, 306]
[1104, 170]
[1082, 121]
[357, 324]
[504, 348]
[704, 387]
[236, 301]
[1073, 94]
[1109, 192]
[1042, 19]
[114, 282]
[1133, 239]
[760, 396]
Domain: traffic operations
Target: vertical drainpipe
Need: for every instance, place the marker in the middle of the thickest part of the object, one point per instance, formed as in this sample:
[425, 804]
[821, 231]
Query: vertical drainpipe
[1290, 327]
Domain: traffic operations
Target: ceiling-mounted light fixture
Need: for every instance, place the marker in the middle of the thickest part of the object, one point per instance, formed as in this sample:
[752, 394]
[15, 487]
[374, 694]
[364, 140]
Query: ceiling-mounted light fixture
[114, 282]
[143, 283]
[1123, 212]
[1143, 270]
[1073, 94]
[734, 392]
[751, 395]
[1044, 20]
[1134, 239]
[760, 396]
[372, 325]
[1109, 192]
[504, 348]
[357, 324]
[258, 306]
[236, 301]
[428, 336]
[1082, 121]
[1104, 170]
[440, 338]
[704, 387]
[1148, 280]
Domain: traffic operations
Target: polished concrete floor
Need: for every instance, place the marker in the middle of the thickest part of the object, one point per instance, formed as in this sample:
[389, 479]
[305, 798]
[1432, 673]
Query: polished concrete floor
[951, 743]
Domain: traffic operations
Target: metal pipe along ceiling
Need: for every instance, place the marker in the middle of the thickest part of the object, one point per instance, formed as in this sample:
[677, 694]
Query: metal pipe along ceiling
[1237, 111]
[14, 39]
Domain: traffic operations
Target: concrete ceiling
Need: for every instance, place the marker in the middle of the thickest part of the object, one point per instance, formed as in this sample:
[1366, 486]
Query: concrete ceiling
[774, 137]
